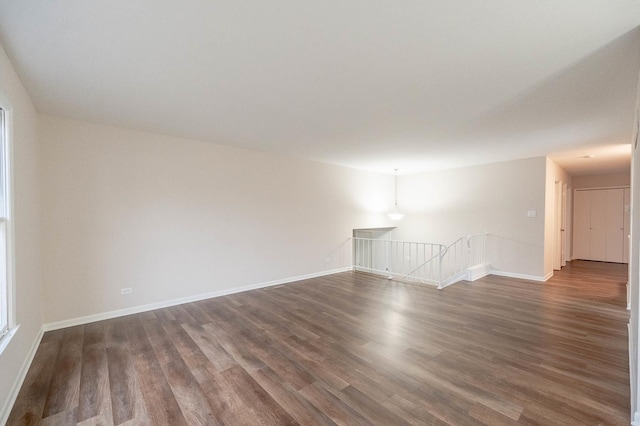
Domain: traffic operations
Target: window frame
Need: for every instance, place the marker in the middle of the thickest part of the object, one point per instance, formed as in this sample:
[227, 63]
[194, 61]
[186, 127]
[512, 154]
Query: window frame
[8, 325]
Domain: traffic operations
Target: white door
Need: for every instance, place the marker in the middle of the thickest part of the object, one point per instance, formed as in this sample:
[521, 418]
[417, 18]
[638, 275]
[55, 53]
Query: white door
[563, 224]
[598, 240]
[582, 225]
[615, 225]
[557, 244]
[569, 225]
[601, 225]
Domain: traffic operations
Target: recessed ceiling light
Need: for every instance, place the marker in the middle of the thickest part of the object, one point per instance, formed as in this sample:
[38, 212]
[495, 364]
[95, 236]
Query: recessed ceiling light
[588, 156]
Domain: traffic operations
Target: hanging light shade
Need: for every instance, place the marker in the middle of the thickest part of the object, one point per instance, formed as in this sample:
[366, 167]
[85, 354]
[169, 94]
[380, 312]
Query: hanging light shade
[395, 213]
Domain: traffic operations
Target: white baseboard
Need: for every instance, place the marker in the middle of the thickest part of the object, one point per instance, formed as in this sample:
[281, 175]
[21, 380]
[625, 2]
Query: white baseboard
[470, 274]
[151, 306]
[478, 271]
[17, 384]
[460, 276]
[636, 419]
[521, 276]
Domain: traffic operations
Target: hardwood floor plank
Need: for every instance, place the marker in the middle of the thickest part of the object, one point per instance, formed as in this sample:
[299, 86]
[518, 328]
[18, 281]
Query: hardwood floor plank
[227, 405]
[297, 406]
[332, 406]
[67, 417]
[411, 413]
[313, 364]
[137, 338]
[32, 396]
[64, 388]
[256, 399]
[141, 415]
[368, 408]
[121, 383]
[163, 343]
[436, 372]
[94, 333]
[94, 382]
[240, 353]
[287, 368]
[115, 332]
[182, 315]
[53, 336]
[491, 417]
[163, 408]
[187, 349]
[102, 419]
[190, 397]
[219, 358]
[198, 313]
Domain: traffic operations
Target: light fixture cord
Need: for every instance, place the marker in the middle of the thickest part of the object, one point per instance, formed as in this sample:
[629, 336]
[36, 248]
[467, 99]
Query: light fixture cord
[396, 188]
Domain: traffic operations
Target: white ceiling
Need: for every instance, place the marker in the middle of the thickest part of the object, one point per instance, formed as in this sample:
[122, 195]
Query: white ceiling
[415, 85]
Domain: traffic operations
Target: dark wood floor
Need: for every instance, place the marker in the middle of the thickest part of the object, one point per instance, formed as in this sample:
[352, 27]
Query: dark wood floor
[350, 349]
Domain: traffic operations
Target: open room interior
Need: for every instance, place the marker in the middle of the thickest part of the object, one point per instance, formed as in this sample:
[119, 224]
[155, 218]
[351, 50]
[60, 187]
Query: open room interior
[209, 170]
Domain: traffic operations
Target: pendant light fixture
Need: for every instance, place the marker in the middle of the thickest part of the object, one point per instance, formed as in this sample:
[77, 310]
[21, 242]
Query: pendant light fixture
[395, 213]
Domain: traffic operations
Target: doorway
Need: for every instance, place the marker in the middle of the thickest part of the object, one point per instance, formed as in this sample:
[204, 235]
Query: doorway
[560, 226]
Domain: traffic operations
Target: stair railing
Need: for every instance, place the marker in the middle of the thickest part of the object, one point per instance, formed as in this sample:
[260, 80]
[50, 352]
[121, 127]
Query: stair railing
[407, 260]
[427, 263]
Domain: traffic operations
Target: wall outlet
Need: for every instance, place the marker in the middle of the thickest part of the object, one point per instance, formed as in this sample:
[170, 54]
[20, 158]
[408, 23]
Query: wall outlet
[328, 259]
[532, 213]
[126, 290]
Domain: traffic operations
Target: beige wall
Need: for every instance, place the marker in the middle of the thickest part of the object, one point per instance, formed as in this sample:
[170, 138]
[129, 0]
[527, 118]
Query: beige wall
[26, 221]
[602, 181]
[174, 218]
[495, 198]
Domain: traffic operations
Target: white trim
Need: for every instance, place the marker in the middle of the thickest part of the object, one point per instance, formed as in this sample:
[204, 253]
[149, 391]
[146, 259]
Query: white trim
[602, 188]
[9, 272]
[470, 274]
[408, 279]
[5, 337]
[460, 276]
[152, 306]
[632, 374]
[521, 276]
[7, 301]
[478, 271]
[17, 384]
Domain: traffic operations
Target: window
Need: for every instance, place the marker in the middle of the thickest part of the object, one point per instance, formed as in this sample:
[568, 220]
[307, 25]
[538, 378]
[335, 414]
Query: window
[4, 282]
